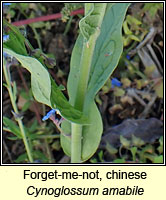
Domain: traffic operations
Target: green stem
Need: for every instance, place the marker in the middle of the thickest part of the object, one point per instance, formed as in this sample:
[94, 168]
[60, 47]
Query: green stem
[22, 130]
[68, 26]
[36, 36]
[76, 143]
[85, 65]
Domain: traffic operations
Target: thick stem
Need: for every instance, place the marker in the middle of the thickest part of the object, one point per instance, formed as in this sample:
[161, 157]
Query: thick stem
[16, 111]
[86, 59]
[85, 65]
[76, 143]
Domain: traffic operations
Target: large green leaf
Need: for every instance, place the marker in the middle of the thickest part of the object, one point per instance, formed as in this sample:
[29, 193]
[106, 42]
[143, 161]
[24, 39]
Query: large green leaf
[108, 48]
[40, 78]
[107, 52]
[45, 89]
[91, 134]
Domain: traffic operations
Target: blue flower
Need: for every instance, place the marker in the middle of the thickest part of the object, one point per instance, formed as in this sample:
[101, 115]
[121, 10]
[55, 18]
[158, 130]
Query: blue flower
[128, 57]
[5, 38]
[115, 82]
[6, 4]
[49, 114]
[5, 55]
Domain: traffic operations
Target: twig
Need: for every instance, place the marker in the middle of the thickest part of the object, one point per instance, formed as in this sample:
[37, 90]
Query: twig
[7, 151]
[158, 48]
[46, 18]
[148, 107]
[131, 92]
[149, 37]
[148, 61]
[155, 58]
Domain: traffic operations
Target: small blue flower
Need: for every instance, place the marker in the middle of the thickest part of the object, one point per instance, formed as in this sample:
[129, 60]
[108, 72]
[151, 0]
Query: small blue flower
[128, 57]
[6, 4]
[115, 82]
[5, 55]
[37, 161]
[5, 38]
[49, 114]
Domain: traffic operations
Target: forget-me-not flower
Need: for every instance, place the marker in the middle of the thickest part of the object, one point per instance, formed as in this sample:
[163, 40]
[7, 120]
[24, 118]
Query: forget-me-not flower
[6, 4]
[128, 57]
[115, 82]
[49, 114]
[5, 38]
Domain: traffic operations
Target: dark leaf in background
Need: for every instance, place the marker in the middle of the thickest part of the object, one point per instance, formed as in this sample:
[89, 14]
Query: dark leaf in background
[147, 130]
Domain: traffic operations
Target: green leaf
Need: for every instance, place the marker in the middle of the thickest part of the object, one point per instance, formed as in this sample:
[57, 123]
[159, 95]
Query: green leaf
[133, 37]
[125, 142]
[132, 20]
[25, 95]
[159, 88]
[40, 79]
[23, 6]
[160, 148]
[23, 157]
[33, 126]
[118, 92]
[45, 89]
[111, 150]
[126, 28]
[120, 160]
[89, 24]
[133, 151]
[13, 138]
[158, 159]
[12, 127]
[152, 8]
[16, 39]
[100, 154]
[68, 8]
[26, 106]
[40, 156]
[41, 95]
[58, 100]
[109, 42]
[136, 141]
[91, 134]
[61, 87]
